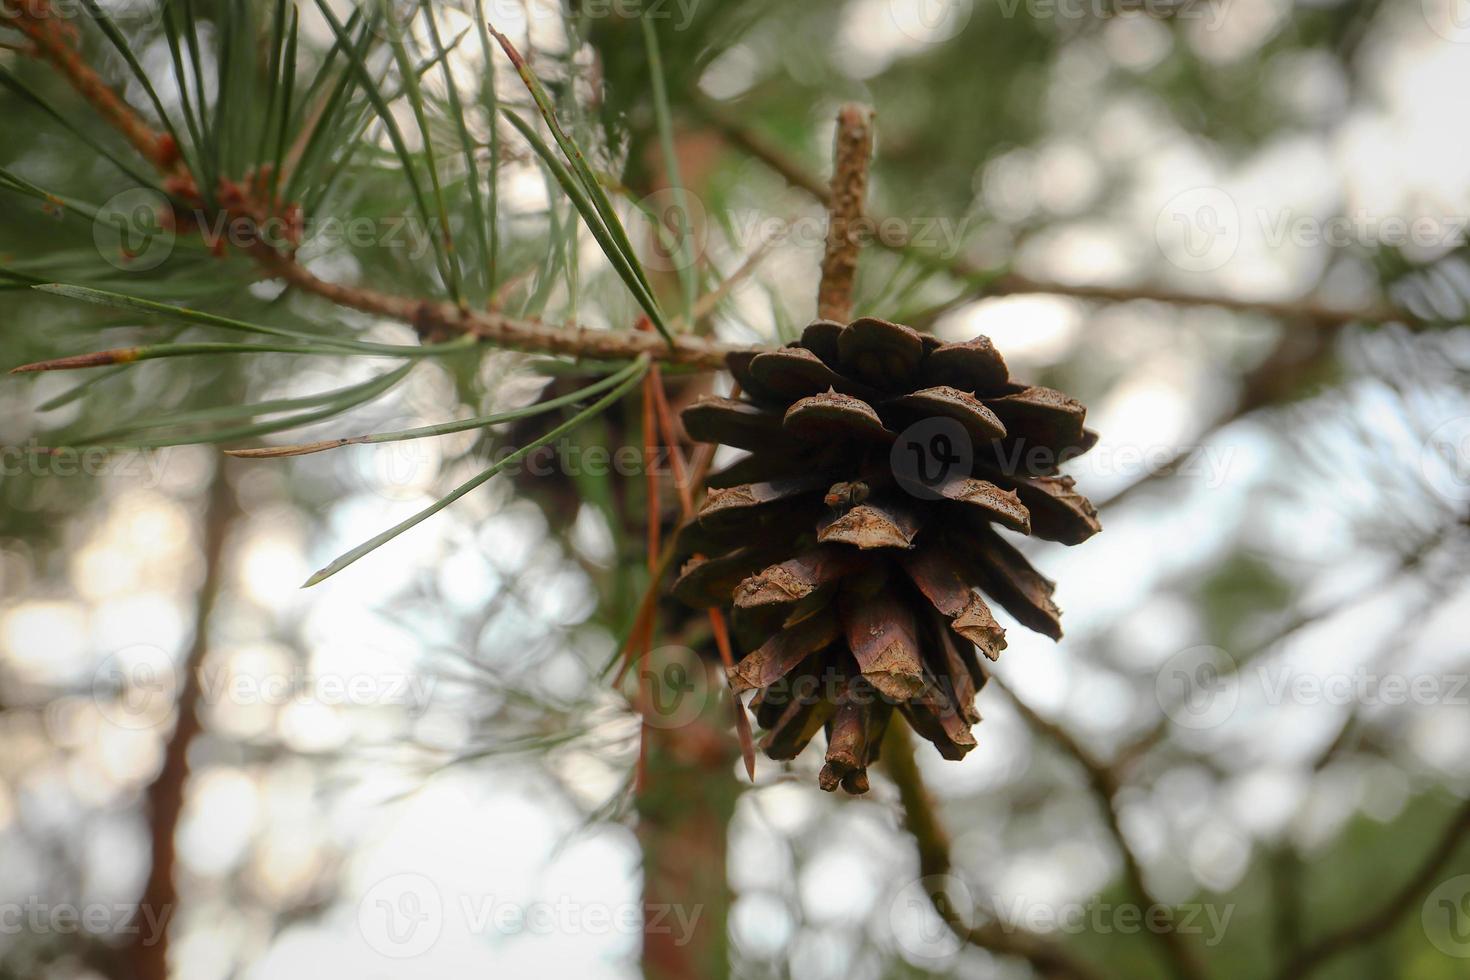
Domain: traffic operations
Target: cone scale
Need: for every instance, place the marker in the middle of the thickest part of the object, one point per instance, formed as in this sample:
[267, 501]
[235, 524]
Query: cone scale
[857, 542]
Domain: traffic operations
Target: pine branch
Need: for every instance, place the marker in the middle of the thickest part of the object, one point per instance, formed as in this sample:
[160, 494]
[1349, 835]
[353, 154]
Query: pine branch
[55, 43]
[52, 36]
[148, 956]
[991, 283]
[922, 820]
[1105, 783]
[852, 151]
[1383, 918]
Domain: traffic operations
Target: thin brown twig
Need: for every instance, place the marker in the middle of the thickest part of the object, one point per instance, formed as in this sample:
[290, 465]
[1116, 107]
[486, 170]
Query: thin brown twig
[706, 304]
[1105, 784]
[165, 795]
[932, 839]
[852, 150]
[1384, 917]
[992, 282]
[1407, 562]
[55, 43]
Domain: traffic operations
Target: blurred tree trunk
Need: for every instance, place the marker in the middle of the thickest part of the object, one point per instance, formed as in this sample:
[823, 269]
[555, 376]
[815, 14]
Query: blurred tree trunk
[685, 801]
[165, 795]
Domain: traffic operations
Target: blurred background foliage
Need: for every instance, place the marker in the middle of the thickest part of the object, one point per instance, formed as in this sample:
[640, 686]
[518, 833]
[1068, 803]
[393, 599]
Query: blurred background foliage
[1272, 475]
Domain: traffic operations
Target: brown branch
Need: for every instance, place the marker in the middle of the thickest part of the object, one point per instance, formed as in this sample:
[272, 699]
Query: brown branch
[1298, 354]
[165, 795]
[1408, 561]
[54, 42]
[1105, 784]
[852, 151]
[992, 283]
[1380, 920]
[684, 806]
[438, 318]
[922, 820]
[53, 36]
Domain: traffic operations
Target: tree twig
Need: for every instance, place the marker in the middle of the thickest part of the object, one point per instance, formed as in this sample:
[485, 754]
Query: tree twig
[165, 795]
[852, 150]
[55, 43]
[1105, 784]
[1383, 918]
[932, 839]
[991, 282]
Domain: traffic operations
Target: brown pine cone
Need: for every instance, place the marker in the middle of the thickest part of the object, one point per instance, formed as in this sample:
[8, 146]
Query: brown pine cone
[853, 536]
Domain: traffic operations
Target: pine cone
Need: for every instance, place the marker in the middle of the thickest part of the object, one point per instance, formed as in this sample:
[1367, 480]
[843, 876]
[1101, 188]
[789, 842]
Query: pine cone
[851, 539]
